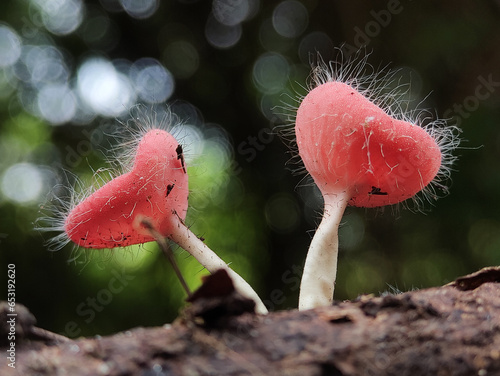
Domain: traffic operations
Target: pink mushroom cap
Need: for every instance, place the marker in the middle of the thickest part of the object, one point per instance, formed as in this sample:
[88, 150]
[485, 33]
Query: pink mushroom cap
[155, 188]
[348, 143]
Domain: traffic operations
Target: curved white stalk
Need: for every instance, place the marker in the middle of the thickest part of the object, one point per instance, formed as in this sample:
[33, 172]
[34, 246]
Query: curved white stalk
[209, 259]
[320, 269]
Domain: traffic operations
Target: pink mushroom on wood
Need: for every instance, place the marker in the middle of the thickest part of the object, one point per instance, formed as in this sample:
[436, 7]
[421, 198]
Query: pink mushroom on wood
[155, 189]
[361, 155]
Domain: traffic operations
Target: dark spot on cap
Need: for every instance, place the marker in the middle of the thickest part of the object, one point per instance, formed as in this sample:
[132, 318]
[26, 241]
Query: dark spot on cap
[180, 156]
[169, 189]
[377, 192]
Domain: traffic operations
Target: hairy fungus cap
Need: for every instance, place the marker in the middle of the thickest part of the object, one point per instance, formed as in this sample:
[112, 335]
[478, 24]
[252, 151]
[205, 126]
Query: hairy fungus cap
[155, 188]
[348, 143]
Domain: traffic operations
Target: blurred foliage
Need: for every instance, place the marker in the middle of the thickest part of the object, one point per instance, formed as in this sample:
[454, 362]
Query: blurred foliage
[224, 66]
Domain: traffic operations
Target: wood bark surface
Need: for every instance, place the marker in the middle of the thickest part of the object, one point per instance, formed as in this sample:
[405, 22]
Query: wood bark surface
[448, 330]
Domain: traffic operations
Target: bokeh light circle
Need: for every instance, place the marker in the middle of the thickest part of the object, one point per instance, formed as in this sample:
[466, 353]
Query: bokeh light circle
[102, 88]
[290, 18]
[152, 82]
[140, 9]
[230, 12]
[56, 103]
[22, 183]
[45, 64]
[99, 31]
[10, 46]
[270, 72]
[220, 35]
[61, 17]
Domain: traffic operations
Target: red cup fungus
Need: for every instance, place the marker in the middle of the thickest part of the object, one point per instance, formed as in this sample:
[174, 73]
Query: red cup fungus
[156, 188]
[153, 192]
[361, 155]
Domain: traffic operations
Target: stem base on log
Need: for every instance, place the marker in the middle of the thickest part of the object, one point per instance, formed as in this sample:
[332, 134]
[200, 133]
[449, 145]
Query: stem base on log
[449, 330]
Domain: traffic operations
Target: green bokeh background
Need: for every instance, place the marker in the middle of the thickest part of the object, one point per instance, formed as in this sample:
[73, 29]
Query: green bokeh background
[248, 206]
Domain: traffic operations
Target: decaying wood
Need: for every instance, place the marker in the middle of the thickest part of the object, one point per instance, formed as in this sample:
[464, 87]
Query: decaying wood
[449, 330]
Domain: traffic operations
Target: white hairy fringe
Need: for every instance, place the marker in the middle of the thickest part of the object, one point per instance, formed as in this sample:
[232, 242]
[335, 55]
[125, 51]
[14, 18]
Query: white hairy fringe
[65, 197]
[384, 88]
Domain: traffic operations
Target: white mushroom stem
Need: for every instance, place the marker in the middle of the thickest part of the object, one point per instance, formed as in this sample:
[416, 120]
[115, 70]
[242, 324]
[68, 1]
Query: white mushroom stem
[209, 259]
[320, 269]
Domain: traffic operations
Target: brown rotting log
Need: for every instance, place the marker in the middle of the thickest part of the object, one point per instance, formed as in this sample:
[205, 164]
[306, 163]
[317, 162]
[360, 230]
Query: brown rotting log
[449, 330]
